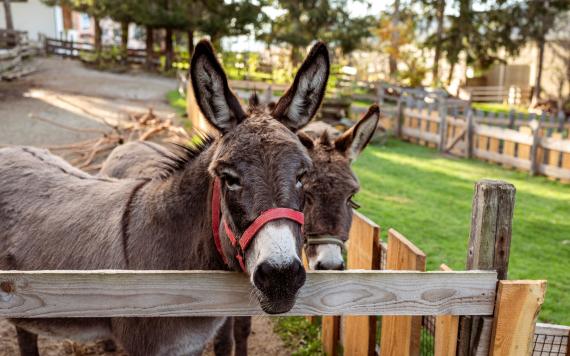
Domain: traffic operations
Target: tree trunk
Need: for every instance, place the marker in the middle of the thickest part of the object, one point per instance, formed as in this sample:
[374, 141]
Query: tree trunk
[124, 39]
[98, 35]
[536, 90]
[149, 48]
[8, 15]
[295, 56]
[440, 14]
[450, 77]
[395, 39]
[190, 34]
[169, 49]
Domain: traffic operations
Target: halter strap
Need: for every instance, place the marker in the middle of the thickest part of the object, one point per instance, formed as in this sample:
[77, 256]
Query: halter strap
[243, 242]
[325, 240]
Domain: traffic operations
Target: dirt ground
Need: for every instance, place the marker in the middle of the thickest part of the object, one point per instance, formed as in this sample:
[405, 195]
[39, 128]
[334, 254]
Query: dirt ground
[66, 92]
[261, 342]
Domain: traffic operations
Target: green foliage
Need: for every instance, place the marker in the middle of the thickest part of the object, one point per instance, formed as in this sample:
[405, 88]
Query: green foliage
[427, 197]
[177, 102]
[300, 335]
[304, 21]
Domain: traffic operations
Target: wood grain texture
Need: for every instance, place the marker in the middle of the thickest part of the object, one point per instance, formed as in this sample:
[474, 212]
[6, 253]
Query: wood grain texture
[524, 149]
[415, 133]
[209, 293]
[503, 134]
[359, 332]
[401, 334]
[446, 331]
[330, 334]
[516, 310]
[489, 249]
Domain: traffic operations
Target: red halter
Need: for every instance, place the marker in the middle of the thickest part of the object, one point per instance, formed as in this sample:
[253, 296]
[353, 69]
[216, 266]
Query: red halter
[243, 242]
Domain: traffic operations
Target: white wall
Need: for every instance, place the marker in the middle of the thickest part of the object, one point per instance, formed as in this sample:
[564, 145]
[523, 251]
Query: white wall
[32, 16]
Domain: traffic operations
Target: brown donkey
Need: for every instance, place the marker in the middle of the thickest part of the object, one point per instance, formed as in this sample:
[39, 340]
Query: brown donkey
[53, 216]
[328, 187]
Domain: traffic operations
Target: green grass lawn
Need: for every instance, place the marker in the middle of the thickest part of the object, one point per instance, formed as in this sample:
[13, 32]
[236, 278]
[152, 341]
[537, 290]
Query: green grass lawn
[427, 197]
[499, 108]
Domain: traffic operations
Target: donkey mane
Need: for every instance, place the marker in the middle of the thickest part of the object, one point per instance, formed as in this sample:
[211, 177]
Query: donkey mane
[179, 155]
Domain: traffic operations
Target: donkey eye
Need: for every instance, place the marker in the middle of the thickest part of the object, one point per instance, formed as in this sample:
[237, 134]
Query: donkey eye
[299, 183]
[352, 203]
[232, 182]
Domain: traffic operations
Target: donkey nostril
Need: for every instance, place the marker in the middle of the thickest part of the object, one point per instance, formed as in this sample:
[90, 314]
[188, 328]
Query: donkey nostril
[319, 266]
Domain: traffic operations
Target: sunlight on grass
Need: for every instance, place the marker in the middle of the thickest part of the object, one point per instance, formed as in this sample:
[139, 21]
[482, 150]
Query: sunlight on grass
[427, 197]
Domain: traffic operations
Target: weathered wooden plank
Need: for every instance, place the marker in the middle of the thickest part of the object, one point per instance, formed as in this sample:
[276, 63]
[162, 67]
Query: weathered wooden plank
[401, 334]
[555, 143]
[524, 149]
[516, 310]
[446, 331]
[502, 158]
[330, 334]
[359, 332]
[213, 293]
[489, 249]
[555, 172]
[503, 134]
[417, 134]
[552, 329]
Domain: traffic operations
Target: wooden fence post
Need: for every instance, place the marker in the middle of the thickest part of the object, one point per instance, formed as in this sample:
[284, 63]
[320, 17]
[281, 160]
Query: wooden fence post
[512, 119]
[489, 248]
[400, 117]
[442, 123]
[516, 310]
[401, 334]
[535, 160]
[469, 134]
[446, 329]
[330, 332]
[359, 332]
[561, 122]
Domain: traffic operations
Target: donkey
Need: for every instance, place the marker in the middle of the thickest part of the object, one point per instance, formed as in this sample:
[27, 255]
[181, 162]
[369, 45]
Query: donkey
[198, 214]
[329, 189]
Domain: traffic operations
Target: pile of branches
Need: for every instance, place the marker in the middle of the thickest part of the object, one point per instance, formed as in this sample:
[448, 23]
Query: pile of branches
[89, 154]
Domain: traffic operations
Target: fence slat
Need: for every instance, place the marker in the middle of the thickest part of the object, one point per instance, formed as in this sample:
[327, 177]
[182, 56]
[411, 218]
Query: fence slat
[359, 332]
[446, 331]
[217, 293]
[518, 305]
[401, 334]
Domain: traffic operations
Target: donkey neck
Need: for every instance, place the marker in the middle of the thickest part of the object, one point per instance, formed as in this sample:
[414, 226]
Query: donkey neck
[169, 223]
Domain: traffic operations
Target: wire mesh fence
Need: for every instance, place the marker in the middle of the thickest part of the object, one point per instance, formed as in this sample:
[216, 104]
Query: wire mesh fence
[551, 340]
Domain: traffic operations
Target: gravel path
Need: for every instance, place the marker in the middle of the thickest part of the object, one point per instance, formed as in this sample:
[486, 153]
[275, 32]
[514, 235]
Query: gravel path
[67, 92]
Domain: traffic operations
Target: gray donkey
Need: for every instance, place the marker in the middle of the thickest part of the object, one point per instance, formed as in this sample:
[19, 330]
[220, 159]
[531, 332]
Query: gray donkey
[328, 187]
[53, 216]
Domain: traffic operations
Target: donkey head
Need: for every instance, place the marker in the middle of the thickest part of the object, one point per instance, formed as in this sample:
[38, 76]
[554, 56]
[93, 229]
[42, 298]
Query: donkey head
[329, 189]
[260, 164]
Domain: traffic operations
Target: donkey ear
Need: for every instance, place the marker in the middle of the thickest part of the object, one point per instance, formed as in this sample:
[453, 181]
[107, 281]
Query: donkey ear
[217, 102]
[300, 103]
[354, 140]
[306, 140]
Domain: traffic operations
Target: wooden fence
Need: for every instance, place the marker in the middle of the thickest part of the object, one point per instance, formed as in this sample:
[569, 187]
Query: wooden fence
[400, 296]
[537, 146]
[405, 335]
[74, 49]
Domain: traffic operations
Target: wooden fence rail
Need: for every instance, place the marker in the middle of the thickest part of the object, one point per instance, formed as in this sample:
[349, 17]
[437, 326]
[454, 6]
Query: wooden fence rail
[537, 146]
[214, 293]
